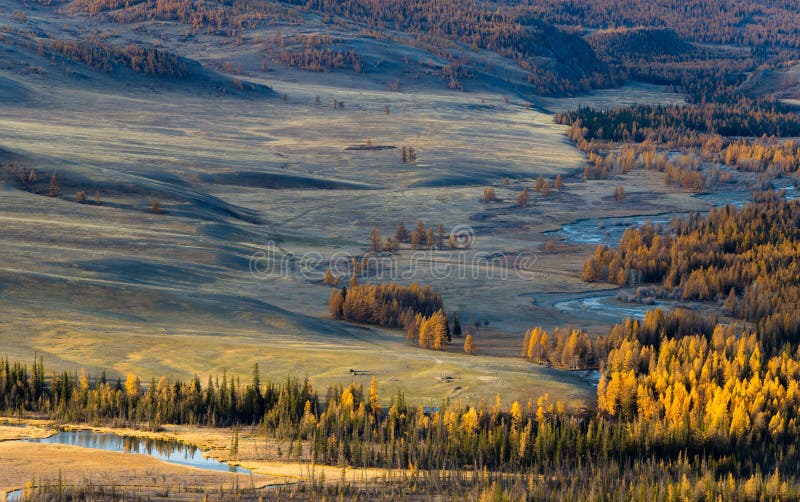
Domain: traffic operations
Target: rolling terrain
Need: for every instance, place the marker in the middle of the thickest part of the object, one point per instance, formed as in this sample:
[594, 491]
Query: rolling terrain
[188, 188]
[239, 172]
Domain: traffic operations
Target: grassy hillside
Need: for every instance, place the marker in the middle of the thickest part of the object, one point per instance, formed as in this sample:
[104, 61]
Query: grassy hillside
[330, 36]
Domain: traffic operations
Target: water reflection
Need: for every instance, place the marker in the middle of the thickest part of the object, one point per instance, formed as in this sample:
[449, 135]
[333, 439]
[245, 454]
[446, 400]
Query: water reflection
[608, 230]
[168, 451]
[609, 306]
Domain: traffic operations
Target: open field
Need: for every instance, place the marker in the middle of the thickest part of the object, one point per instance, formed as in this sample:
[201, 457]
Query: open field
[176, 178]
[115, 286]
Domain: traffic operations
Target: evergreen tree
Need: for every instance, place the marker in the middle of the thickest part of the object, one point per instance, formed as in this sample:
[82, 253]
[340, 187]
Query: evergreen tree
[522, 198]
[469, 347]
[402, 234]
[53, 189]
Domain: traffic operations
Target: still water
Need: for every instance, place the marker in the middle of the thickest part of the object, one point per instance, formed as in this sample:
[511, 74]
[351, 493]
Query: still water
[168, 451]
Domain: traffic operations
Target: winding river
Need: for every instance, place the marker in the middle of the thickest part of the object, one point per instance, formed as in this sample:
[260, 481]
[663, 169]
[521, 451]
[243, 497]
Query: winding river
[608, 230]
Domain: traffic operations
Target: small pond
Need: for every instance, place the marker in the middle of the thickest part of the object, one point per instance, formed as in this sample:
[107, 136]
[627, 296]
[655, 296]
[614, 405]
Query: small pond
[168, 451]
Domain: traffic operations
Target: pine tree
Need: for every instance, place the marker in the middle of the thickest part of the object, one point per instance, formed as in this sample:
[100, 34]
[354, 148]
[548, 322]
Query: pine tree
[32, 179]
[543, 350]
[730, 303]
[374, 399]
[402, 234]
[132, 386]
[53, 189]
[425, 338]
[522, 198]
[469, 347]
[439, 331]
[330, 279]
[456, 326]
[516, 414]
[376, 244]
[336, 304]
[430, 240]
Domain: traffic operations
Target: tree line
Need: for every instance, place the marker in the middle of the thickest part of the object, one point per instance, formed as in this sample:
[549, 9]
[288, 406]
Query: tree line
[386, 304]
[748, 23]
[322, 59]
[80, 397]
[432, 25]
[566, 348]
[101, 56]
[683, 402]
[664, 123]
[747, 259]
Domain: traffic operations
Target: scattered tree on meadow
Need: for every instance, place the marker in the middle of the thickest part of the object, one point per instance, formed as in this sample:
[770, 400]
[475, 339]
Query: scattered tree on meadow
[53, 190]
[32, 178]
[456, 325]
[401, 235]
[440, 236]
[546, 187]
[376, 244]
[415, 240]
[523, 198]
[469, 346]
[330, 279]
[430, 239]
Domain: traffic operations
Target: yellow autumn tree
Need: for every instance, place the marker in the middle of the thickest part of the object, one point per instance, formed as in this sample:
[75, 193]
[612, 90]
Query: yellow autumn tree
[516, 414]
[374, 399]
[469, 347]
[469, 421]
